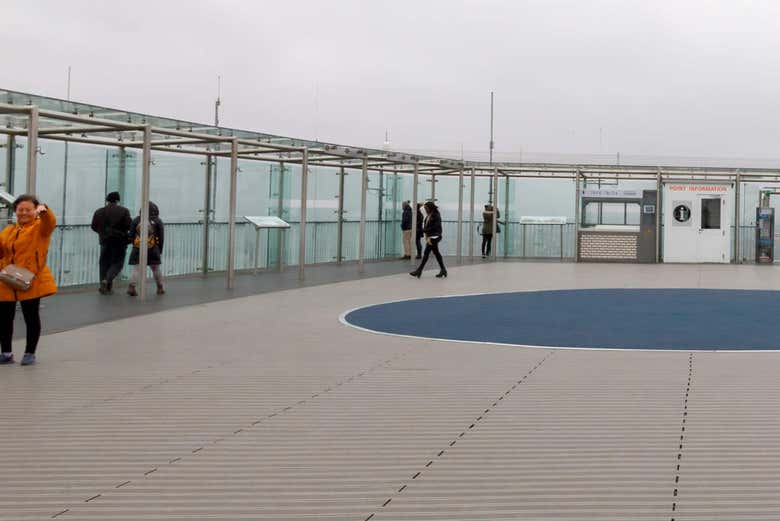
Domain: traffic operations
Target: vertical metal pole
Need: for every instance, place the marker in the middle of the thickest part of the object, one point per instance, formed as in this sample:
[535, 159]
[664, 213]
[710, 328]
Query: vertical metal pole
[231, 247]
[395, 211]
[490, 191]
[506, 218]
[576, 214]
[32, 150]
[279, 212]
[340, 236]
[494, 197]
[414, 204]
[471, 216]
[8, 185]
[460, 216]
[560, 229]
[658, 184]
[362, 236]
[122, 171]
[143, 257]
[257, 248]
[62, 223]
[206, 216]
[525, 234]
[737, 259]
[433, 187]
[10, 165]
[64, 213]
[302, 239]
[380, 236]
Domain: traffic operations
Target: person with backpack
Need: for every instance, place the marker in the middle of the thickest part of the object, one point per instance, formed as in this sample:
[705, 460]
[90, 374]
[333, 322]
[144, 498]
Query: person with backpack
[154, 246]
[112, 224]
[487, 228]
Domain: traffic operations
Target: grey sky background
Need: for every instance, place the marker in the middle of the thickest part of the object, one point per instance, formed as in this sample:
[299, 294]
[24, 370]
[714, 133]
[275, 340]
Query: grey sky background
[664, 78]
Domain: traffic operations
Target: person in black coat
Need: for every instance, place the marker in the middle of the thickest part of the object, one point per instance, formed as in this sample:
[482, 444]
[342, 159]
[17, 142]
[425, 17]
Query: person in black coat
[406, 229]
[432, 231]
[112, 224]
[155, 243]
[419, 235]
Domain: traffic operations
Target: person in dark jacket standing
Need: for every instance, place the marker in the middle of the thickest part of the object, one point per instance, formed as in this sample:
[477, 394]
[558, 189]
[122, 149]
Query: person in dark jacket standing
[406, 229]
[154, 246]
[419, 235]
[112, 224]
[487, 228]
[432, 230]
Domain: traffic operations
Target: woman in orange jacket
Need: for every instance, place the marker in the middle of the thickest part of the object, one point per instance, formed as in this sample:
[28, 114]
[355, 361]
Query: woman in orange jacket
[26, 244]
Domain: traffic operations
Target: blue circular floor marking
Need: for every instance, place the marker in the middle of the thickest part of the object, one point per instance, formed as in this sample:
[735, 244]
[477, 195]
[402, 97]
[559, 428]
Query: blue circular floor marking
[669, 319]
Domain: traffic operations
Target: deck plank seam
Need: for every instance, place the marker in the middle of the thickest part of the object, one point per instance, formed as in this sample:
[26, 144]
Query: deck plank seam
[680, 448]
[251, 425]
[470, 428]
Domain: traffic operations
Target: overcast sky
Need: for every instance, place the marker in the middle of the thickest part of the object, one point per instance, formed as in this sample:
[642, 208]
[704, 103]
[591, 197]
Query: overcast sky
[660, 78]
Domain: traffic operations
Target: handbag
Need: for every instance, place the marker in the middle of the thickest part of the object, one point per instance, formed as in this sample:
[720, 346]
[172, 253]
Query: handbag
[16, 277]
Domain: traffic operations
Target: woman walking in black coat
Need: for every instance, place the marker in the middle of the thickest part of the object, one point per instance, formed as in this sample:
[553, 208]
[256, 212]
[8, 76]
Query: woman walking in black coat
[432, 231]
[154, 249]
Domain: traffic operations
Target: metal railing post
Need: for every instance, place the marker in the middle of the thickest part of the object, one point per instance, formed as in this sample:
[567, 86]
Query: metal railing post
[576, 214]
[206, 216]
[302, 238]
[143, 239]
[362, 234]
[460, 217]
[494, 253]
[471, 217]
[340, 232]
[414, 205]
[231, 253]
[737, 259]
[32, 151]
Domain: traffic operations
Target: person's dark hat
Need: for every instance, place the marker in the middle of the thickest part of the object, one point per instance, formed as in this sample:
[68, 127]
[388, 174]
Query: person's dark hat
[113, 197]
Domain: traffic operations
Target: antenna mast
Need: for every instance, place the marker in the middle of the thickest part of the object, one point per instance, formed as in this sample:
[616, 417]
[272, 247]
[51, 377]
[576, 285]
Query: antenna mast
[218, 102]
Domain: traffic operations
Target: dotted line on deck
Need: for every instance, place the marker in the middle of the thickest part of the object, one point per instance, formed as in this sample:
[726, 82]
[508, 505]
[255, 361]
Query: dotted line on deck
[682, 436]
[250, 425]
[471, 426]
[140, 390]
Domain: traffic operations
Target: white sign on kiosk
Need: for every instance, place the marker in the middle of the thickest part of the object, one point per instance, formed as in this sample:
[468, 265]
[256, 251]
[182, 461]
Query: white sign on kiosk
[268, 222]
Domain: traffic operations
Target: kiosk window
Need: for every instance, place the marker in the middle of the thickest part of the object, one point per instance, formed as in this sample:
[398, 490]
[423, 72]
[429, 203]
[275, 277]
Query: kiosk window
[710, 214]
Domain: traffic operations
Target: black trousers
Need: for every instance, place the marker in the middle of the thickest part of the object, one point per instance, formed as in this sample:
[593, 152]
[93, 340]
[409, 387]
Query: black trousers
[418, 243]
[487, 240]
[432, 247]
[112, 259]
[32, 318]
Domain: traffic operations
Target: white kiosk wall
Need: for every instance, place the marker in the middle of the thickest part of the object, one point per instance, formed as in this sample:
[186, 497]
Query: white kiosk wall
[697, 222]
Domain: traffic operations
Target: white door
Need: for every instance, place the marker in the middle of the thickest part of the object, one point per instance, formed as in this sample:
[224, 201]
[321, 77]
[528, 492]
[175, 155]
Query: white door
[711, 216]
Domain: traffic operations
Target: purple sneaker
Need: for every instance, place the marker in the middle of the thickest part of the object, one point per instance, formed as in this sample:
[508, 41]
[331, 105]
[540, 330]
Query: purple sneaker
[28, 359]
[6, 358]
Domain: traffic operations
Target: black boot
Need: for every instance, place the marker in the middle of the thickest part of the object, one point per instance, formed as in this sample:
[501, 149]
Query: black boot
[416, 273]
[442, 273]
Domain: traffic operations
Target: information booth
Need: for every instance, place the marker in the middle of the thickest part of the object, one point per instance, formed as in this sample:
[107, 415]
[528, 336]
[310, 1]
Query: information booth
[697, 222]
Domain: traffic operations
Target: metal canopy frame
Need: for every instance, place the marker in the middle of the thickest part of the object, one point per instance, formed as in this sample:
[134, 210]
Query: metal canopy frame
[36, 117]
